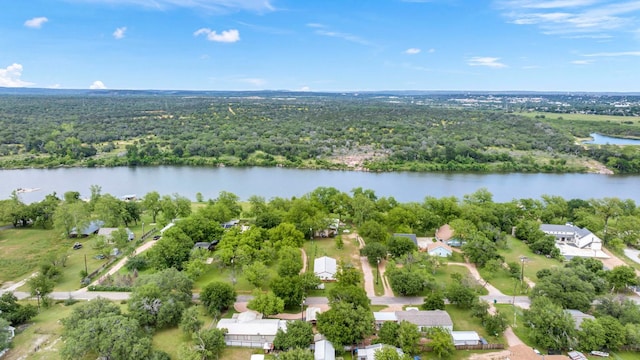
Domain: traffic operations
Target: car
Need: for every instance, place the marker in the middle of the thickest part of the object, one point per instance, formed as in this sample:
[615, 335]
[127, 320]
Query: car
[100, 257]
[157, 237]
[77, 246]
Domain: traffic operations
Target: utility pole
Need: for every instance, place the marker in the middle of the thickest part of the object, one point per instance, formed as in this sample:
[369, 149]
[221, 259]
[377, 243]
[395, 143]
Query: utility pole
[378, 271]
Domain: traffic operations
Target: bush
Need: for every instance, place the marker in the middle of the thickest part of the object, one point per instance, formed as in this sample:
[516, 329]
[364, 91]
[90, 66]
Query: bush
[109, 288]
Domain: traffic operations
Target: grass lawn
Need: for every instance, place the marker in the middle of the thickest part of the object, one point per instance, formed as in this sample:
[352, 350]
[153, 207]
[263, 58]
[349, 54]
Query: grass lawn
[215, 273]
[462, 321]
[377, 285]
[516, 249]
[327, 247]
[520, 329]
[584, 117]
[503, 281]
[24, 249]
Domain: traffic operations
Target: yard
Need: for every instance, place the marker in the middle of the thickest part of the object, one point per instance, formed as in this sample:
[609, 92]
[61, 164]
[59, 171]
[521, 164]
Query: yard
[463, 321]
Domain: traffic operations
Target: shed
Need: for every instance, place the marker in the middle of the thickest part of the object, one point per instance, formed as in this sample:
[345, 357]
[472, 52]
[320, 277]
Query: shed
[465, 338]
[324, 350]
[325, 268]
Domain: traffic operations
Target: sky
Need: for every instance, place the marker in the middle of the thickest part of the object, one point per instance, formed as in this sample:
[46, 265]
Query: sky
[322, 45]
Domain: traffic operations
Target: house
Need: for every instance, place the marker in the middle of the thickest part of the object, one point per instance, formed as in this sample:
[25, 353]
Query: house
[413, 237]
[330, 231]
[444, 233]
[578, 316]
[248, 329]
[324, 350]
[369, 352]
[129, 197]
[107, 233]
[204, 245]
[439, 249]
[465, 338]
[325, 268]
[423, 319]
[311, 314]
[229, 224]
[381, 317]
[426, 319]
[92, 228]
[574, 241]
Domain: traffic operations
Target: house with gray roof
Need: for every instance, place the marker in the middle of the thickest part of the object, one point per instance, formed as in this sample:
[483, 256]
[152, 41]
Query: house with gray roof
[369, 352]
[574, 241]
[249, 329]
[423, 319]
[93, 228]
[325, 268]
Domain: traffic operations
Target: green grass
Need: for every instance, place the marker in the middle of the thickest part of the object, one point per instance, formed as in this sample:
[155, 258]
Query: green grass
[584, 117]
[520, 329]
[349, 253]
[22, 251]
[462, 321]
[503, 281]
[169, 340]
[516, 249]
[377, 286]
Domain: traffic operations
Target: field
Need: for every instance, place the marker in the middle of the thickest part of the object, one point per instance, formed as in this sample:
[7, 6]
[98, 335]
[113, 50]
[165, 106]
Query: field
[583, 117]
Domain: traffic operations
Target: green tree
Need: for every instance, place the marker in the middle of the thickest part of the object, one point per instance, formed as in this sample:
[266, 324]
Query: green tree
[348, 275]
[352, 294]
[209, 343]
[614, 332]
[4, 334]
[13, 312]
[286, 235]
[400, 245]
[620, 277]
[374, 251]
[266, 303]
[372, 231]
[40, 286]
[256, 273]
[389, 353]
[495, 324]
[190, 322]
[70, 215]
[172, 250]
[296, 354]
[408, 337]
[433, 301]
[441, 343]
[299, 334]
[550, 326]
[290, 262]
[289, 289]
[345, 325]
[388, 333]
[151, 203]
[217, 296]
[460, 295]
[591, 335]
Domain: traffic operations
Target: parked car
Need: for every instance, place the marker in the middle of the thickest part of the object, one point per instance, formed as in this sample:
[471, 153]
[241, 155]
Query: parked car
[100, 257]
[77, 246]
[157, 237]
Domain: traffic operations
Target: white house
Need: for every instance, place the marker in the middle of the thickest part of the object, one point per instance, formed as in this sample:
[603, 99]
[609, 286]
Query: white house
[325, 268]
[574, 241]
[248, 329]
[465, 338]
[439, 249]
[422, 319]
[324, 350]
[312, 314]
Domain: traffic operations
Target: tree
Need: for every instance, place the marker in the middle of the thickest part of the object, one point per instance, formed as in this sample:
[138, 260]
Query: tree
[408, 281]
[348, 275]
[14, 313]
[110, 210]
[98, 327]
[591, 335]
[374, 251]
[70, 215]
[40, 286]
[290, 263]
[495, 324]
[266, 303]
[389, 353]
[256, 273]
[172, 250]
[190, 323]
[372, 231]
[460, 295]
[400, 245]
[151, 203]
[408, 337]
[388, 333]
[286, 234]
[345, 325]
[565, 288]
[441, 343]
[620, 277]
[550, 326]
[296, 354]
[218, 296]
[433, 301]
[614, 332]
[4, 334]
[299, 334]
[289, 289]
[352, 294]
[210, 343]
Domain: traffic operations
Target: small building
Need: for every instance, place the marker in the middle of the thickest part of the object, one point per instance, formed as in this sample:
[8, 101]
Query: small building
[325, 268]
[439, 249]
[465, 338]
[426, 319]
[108, 233]
[311, 314]
[324, 350]
[578, 316]
[444, 233]
[369, 352]
[412, 237]
[93, 228]
[248, 329]
[129, 197]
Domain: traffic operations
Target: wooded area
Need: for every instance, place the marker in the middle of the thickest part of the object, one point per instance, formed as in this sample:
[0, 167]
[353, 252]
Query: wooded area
[377, 133]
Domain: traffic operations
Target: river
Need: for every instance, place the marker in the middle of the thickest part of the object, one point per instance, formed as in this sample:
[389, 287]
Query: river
[272, 182]
[604, 140]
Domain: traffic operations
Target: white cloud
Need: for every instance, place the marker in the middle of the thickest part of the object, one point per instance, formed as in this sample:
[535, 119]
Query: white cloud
[10, 76]
[97, 85]
[491, 62]
[36, 22]
[432, 50]
[253, 81]
[570, 17]
[54, 86]
[582, 62]
[344, 36]
[315, 25]
[412, 51]
[218, 6]
[226, 36]
[614, 54]
[119, 33]
[305, 88]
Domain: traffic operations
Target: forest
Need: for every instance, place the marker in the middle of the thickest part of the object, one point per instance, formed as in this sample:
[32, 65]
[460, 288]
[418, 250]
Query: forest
[332, 131]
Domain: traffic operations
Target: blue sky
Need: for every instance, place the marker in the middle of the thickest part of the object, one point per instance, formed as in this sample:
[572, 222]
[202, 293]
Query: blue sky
[321, 45]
